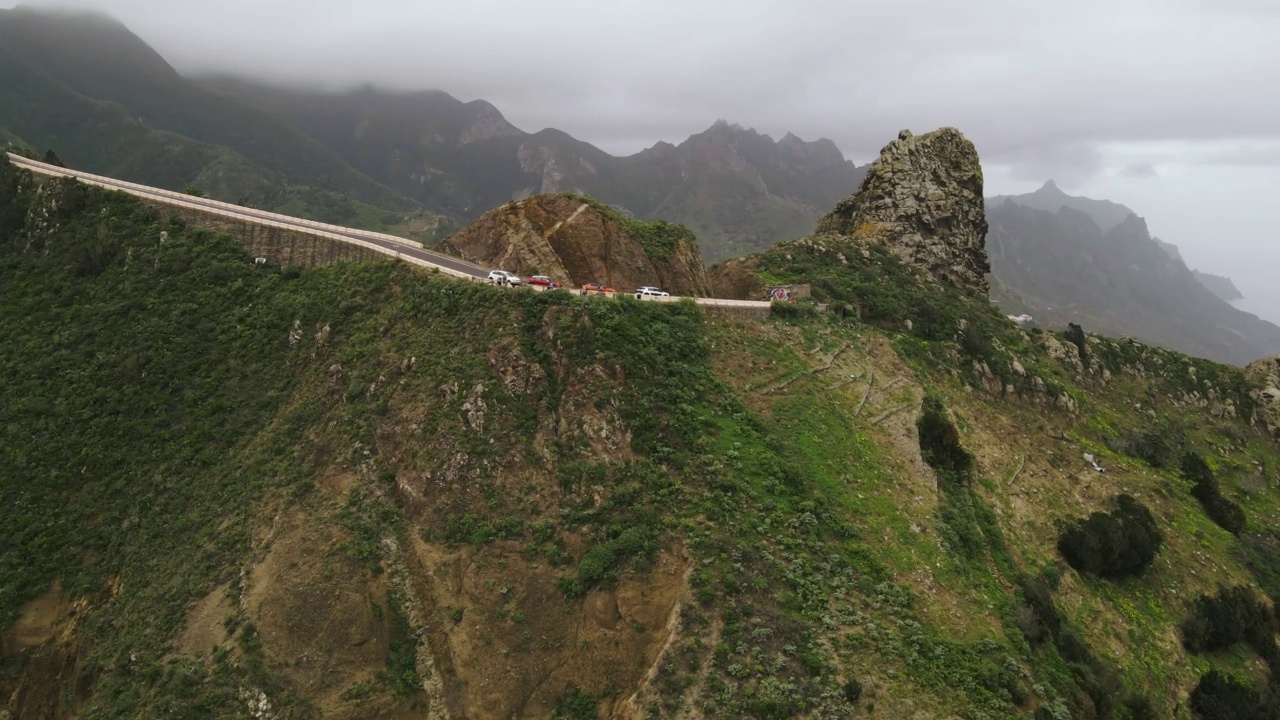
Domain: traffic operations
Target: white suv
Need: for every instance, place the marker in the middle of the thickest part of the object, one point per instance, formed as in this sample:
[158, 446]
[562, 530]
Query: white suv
[501, 276]
[647, 291]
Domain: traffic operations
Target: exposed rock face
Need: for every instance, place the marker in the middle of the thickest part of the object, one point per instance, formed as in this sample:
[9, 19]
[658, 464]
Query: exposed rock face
[1264, 375]
[737, 279]
[923, 200]
[575, 243]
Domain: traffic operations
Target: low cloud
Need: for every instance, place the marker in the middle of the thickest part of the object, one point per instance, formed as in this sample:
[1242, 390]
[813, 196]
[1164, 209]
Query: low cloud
[1139, 170]
[1029, 92]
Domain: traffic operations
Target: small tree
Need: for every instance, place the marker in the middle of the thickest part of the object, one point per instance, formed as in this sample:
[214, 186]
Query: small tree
[1228, 515]
[1075, 334]
[193, 191]
[1112, 545]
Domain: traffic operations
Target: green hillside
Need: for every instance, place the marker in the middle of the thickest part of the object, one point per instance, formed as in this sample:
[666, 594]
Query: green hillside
[8, 139]
[363, 490]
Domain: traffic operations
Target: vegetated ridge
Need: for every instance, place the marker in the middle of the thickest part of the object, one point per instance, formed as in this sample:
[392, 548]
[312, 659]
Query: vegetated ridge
[423, 164]
[737, 189]
[577, 240]
[360, 490]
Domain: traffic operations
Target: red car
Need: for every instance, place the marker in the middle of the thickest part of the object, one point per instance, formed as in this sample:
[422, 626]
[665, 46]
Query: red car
[596, 287]
[544, 281]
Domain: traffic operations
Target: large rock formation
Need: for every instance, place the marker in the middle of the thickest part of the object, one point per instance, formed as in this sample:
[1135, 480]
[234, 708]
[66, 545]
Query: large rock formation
[1264, 376]
[923, 200]
[578, 242]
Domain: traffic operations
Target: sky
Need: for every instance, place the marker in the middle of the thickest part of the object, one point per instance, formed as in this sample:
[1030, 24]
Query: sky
[1171, 107]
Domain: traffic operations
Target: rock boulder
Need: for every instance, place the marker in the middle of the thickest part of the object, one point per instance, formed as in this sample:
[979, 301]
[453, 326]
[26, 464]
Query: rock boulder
[923, 200]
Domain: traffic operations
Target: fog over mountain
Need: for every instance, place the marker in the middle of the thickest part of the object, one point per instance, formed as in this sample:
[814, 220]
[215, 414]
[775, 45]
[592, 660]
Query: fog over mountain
[1190, 140]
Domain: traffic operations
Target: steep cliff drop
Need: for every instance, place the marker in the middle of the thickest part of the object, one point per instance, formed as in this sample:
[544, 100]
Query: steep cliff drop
[1265, 377]
[576, 241]
[922, 199]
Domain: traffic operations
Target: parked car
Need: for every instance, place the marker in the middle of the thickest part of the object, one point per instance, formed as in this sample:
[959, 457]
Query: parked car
[499, 276]
[648, 291]
[596, 287]
[544, 281]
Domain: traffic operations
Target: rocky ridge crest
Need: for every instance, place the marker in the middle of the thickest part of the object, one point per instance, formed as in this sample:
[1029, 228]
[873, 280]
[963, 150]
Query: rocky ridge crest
[577, 241]
[922, 199]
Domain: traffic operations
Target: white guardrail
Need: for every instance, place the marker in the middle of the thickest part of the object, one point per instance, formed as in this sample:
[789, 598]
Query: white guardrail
[319, 229]
[237, 212]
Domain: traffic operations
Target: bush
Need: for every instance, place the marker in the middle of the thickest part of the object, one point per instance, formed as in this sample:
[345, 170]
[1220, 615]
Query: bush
[1075, 335]
[1226, 514]
[576, 704]
[852, 690]
[1233, 615]
[1157, 446]
[940, 442]
[1112, 545]
[1222, 697]
[793, 311]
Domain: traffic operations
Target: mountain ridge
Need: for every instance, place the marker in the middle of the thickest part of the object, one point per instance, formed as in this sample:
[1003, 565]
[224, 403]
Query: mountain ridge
[1121, 282]
[737, 189]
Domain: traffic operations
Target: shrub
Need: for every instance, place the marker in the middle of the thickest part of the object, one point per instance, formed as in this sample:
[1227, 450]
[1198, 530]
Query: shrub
[1112, 545]
[1226, 514]
[1222, 697]
[1075, 335]
[793, 311]
[852, 690]
[940, 442]
[1233, 615]
[1158, 446]
[576, 704]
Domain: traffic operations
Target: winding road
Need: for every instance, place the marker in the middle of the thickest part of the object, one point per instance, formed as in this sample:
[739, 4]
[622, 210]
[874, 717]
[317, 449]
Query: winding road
[390, 245]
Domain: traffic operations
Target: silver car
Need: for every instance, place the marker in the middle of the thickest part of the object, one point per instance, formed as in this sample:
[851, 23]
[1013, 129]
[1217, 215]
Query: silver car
[502, 277]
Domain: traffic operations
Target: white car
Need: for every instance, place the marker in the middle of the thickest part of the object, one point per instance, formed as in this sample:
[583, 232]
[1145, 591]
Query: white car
[503, 277]
[647, 291]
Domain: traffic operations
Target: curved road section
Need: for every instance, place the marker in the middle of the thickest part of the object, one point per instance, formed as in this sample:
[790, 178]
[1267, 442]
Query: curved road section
[390, 245]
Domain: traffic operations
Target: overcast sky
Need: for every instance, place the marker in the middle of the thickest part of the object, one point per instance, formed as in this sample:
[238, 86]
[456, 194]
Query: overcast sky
[1169, 106]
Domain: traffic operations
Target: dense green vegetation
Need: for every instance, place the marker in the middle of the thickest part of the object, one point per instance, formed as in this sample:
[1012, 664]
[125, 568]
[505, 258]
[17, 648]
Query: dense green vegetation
[1113, 544]
[163, 394]
[11, 142]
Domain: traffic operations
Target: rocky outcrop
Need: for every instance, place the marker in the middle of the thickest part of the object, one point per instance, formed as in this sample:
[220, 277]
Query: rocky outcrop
[923, 200]
[737, 279]
[1264, 377]
[577, 242]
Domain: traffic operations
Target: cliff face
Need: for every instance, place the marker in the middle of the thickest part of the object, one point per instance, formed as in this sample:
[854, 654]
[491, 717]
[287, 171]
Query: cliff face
[1265, 377]
[577, 241]
[922, 199]
[1118, 282]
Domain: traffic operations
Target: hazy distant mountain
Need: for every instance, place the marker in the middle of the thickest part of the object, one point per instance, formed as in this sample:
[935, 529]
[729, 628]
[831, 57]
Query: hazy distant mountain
[1105, 214]
[83, 85]
[1062, 267]
[739, 191]
[99, 58]
[1219, 285]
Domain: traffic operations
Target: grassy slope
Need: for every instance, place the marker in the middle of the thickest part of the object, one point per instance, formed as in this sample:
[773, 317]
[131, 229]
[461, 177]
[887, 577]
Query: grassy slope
[156, 419]
[9, 139]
